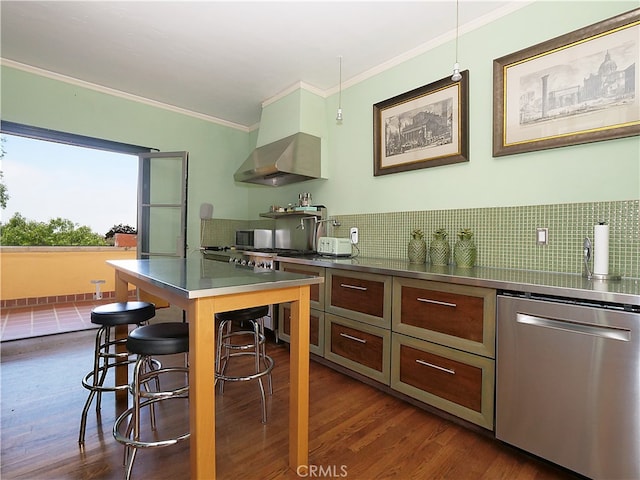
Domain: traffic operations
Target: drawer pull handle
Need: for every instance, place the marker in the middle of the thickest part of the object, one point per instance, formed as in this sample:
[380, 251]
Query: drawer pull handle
[354, 287]
[427, 364]
[445, 304]
[353, 338]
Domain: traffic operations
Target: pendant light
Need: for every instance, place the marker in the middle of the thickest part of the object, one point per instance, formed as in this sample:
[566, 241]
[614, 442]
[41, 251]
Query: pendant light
[456, 66]
[339, 112]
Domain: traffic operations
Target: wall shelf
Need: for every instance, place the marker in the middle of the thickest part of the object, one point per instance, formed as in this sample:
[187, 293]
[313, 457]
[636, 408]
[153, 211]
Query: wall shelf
[318, 212]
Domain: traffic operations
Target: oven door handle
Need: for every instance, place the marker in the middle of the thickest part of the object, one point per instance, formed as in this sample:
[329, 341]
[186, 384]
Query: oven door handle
[576, 327]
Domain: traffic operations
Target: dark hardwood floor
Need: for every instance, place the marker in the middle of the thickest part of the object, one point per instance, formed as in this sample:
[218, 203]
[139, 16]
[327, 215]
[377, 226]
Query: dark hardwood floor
[356, 431]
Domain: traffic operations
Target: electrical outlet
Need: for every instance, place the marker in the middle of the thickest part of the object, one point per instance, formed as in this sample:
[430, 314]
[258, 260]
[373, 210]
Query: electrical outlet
[353, 234]
[542, 236]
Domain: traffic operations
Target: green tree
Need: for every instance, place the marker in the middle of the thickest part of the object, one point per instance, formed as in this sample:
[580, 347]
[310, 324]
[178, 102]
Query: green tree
[19, 231]
[4, 196]
[120, 228]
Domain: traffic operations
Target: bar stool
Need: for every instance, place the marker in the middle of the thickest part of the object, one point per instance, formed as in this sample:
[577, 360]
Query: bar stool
[109, 316]
[147, 341]
[228, 346]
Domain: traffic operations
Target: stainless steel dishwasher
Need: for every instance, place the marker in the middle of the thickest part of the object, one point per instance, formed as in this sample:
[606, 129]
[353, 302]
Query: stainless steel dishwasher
[568, 383]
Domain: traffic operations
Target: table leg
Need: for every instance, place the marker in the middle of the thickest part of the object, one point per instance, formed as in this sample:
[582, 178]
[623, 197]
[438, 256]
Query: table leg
[202, 408]
[299, 383]
[121, 332]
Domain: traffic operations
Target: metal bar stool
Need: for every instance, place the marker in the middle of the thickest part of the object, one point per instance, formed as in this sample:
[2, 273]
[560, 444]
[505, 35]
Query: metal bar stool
[151, 340]
[228, 345]
[105, 356]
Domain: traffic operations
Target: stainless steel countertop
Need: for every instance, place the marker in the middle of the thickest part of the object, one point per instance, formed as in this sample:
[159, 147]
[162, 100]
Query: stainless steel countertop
[197, 278]
[625, 291]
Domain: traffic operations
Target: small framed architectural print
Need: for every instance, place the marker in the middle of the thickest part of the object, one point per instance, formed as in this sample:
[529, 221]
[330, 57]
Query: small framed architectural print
[425, 127]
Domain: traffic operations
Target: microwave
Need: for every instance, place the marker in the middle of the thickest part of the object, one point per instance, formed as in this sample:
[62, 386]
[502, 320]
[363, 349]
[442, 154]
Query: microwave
[256, 238]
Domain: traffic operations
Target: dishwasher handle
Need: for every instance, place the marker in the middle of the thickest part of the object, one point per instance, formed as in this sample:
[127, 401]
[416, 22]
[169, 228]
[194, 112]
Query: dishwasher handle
[576, 327]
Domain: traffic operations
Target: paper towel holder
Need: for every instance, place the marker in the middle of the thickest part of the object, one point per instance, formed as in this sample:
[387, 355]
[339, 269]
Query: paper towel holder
[587, 273]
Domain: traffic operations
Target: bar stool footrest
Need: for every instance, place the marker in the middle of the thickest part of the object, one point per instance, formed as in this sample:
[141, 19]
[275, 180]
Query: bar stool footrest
[129, 442]
[242, 346]
[246, 378]
[87, 381]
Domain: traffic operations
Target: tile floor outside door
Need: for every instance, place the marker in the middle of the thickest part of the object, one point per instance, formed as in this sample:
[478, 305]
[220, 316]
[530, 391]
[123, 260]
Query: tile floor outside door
[40, 320]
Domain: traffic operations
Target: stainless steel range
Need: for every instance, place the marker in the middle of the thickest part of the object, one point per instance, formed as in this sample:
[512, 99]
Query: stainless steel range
[294, 234]
[255, 260]
[258, 258]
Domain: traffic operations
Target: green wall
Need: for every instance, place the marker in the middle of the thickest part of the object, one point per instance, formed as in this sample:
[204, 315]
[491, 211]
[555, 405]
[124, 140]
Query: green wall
[598, 172]
[214, 150]
[603, 171]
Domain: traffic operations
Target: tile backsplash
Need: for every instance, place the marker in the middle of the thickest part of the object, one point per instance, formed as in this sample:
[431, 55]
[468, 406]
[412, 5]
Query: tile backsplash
[505, 236]
[220, 232]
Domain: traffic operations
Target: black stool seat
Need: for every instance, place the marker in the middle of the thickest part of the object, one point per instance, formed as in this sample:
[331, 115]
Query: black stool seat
[106, 354]
[147, 341]
[159, 339]
[243, 314]
[122, 313]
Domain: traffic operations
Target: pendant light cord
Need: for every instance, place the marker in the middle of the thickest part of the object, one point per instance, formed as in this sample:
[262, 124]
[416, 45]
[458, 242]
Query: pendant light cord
[456, 77]
[339, 112]
[340, 91]
[457, 22]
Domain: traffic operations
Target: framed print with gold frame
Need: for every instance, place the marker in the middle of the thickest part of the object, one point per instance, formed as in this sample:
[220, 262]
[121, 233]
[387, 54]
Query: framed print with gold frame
[577, 88]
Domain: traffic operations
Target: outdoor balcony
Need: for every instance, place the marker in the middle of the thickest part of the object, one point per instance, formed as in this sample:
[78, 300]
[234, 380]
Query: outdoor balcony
[46, 290]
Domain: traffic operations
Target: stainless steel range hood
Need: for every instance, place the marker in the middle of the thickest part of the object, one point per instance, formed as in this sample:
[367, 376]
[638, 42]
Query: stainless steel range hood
[292, 159]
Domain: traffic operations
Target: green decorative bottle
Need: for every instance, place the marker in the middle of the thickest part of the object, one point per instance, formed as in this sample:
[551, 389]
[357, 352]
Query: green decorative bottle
[439, 249]
[465, 250]
[417, 248]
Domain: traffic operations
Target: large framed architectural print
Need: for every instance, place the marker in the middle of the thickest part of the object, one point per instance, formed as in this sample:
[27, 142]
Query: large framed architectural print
[577, 88]
[425, 127]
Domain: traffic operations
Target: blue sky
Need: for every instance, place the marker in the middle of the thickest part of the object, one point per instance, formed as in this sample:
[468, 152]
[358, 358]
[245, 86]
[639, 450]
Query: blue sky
[47, 180]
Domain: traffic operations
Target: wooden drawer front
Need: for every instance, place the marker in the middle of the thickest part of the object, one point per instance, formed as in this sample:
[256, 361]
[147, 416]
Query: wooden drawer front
[457, 382]
[358, 346]
[316, 328]
[317, 290]
[455, 315]
[441, 376]
[362, 296]
[359, 295]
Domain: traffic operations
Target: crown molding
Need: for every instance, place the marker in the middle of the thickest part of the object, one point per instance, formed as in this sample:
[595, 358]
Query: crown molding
[296, 86]
[118, 93]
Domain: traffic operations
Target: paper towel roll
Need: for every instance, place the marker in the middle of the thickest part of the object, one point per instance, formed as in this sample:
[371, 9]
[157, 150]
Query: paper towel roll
[601, 249]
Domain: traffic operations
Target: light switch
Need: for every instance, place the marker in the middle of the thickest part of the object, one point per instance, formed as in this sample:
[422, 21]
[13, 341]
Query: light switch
[542, 236]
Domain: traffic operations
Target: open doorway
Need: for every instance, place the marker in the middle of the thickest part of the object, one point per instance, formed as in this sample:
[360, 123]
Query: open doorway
[91, 185]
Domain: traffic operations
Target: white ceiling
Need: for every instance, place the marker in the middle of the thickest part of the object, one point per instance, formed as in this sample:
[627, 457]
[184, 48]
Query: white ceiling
[223, 59]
